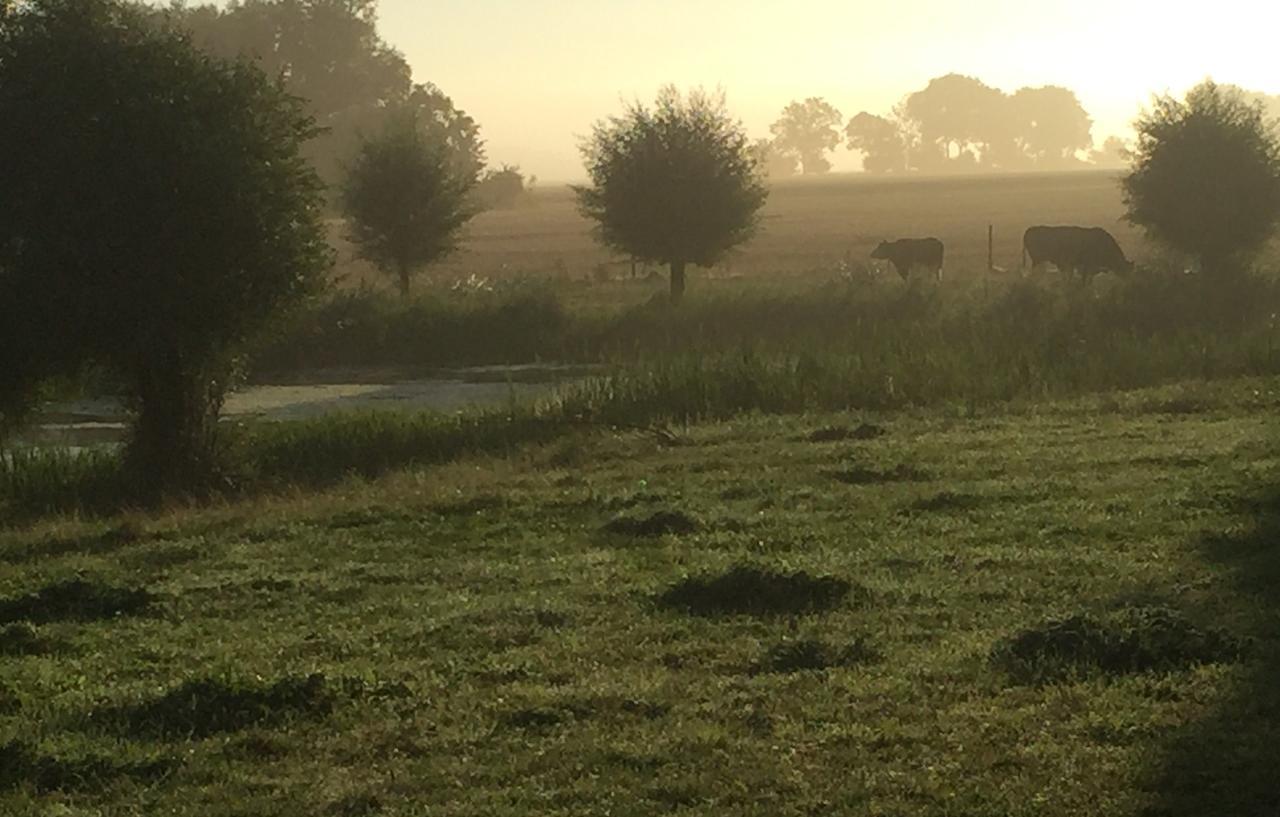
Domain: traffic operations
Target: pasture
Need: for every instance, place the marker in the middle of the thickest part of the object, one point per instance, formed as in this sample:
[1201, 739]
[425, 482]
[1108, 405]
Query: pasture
[811, 543]
[808, 224]
[1044, 608]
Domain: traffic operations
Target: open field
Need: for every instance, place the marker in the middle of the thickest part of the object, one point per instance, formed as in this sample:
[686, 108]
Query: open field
[808, 224]
[562, 630]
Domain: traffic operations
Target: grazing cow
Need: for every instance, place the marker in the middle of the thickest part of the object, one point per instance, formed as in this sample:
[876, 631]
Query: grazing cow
[1087, 250]
[908, 253]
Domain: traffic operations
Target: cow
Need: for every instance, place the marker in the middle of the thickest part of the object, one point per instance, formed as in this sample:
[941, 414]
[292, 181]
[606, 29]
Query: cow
[1087, 250]
[908, 253]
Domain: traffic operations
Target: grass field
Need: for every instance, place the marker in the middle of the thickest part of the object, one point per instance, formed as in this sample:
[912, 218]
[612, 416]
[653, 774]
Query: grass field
[1054, 608]
[808, 225]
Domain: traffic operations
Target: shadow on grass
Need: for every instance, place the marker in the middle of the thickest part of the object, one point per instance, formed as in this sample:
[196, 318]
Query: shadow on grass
[1226, 763]
[24, 765]
[75, 600]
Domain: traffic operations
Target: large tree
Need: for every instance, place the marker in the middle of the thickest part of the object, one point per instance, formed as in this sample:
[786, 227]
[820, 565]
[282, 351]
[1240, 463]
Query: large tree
[1206, 176]
[156, 213]
[775, 163]
[1050, 126]
[880, 140]
[405, 199]
[959, 119]
[808, 130]
[329, 53]
[675, 184]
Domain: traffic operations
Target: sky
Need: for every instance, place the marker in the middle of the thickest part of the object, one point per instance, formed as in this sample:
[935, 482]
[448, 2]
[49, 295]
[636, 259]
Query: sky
[536, 73]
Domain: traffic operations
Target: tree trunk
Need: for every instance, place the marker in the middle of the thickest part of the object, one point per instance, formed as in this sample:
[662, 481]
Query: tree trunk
[404, 280]
[677, 281]
[171, 447]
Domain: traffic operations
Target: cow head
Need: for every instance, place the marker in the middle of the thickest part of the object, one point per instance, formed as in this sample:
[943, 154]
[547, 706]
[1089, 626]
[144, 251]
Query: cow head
[882, 251]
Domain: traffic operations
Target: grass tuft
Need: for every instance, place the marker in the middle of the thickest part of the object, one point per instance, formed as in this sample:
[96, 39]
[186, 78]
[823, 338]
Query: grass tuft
[201, 707]
[75, 600]
[859, 475]
[662, 523]
[809, 654]
[22, 765]
[1131, 640]
[834, 434]
[21, 638]
[755, 591]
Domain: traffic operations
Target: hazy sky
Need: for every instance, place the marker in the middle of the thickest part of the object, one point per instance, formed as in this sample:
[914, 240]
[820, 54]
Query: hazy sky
[536, 73]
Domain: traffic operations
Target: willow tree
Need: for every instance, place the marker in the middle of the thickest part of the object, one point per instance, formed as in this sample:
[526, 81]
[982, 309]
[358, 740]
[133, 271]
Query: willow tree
[1206, 177]
[163, 218]
[675, 184]
[406, 201]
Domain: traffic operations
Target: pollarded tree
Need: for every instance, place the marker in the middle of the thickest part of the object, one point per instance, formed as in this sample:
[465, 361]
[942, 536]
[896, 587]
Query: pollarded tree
[406, 201]
[1206, 177]
[808, 130]
[156, 214]
[676, 184]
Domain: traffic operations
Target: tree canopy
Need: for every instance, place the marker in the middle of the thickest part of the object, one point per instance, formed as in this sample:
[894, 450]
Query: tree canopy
[161, 216]
[676, 184]
[404, 197]
[808, 131]
[1206, 176]
[329, 53]
[958, 122]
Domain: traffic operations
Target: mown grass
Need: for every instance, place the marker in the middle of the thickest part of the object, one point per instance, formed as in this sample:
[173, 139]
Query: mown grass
[477, 638]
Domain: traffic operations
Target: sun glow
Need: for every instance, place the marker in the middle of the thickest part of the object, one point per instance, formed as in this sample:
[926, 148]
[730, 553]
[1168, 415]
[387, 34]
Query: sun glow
[536, 74]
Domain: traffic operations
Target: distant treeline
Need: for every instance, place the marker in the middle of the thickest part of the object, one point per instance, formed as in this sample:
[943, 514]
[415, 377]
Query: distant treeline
[954, 124]
[329, 52]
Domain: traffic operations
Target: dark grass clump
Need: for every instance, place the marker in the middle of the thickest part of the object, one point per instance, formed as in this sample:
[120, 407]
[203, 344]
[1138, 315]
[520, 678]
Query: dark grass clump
[98, 544]
[810, 654]
[857, 475]
[10, 703]
[75, 600]
[202, 707]
[355, 805]
[21, 638]
[835, 434]
[544, 717]
[22, 765]
[534, 718]
[662, 523]
[1131, 640]
[945, 501]
[754, 591]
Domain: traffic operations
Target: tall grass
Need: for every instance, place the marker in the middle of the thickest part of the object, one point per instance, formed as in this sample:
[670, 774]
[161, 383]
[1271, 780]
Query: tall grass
[840, 346]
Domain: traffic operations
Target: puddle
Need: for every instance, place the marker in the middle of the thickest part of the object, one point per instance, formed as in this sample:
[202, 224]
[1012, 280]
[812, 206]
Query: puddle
[96, 422]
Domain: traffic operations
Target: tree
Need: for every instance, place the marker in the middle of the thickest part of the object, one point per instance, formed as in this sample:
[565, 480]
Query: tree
[808, 130]
[1050, 125]
[1206, 176]
[1114, 153]
[959, 119]
[774, 163]
[164, 216]
[501, 188]
[675, 184]
[879, 140]
[405, 198]
[329, 52]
